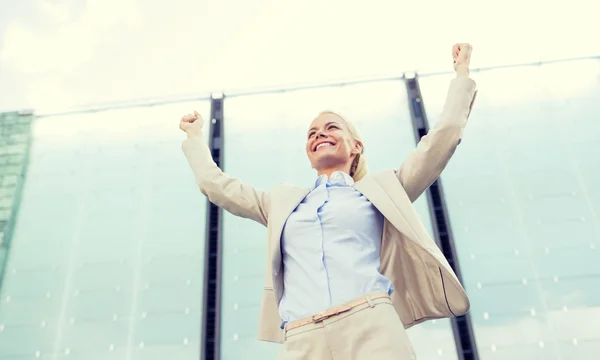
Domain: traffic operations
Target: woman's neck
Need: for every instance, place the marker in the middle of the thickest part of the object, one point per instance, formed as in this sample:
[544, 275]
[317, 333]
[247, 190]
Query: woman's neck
[330, 171]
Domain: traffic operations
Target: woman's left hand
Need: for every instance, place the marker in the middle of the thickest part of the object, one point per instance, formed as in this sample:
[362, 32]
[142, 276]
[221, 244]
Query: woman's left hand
[461, 54]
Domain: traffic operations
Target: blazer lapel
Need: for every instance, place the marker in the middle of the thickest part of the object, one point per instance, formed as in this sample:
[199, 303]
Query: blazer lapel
[373, 191]
[285, 205]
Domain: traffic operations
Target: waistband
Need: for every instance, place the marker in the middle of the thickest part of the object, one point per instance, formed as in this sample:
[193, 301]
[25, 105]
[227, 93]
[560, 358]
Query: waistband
[337, 310]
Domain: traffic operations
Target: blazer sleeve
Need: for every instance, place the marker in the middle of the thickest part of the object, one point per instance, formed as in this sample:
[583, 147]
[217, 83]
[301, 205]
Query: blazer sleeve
[424, 164]
[227, 192]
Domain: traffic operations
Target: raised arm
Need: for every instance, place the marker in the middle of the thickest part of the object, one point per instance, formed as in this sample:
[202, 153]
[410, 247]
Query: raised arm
[424, 164]
[221, 189]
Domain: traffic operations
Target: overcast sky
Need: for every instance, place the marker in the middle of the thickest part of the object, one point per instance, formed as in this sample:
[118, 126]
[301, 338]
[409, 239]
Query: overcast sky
[55, 54]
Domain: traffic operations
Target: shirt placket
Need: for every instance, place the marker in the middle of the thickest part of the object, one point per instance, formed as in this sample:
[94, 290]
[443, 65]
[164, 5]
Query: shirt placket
[324, 198]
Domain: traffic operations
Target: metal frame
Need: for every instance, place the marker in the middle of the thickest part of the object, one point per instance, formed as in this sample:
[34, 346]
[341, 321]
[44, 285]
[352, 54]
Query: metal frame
[461, 326]
[211, 316]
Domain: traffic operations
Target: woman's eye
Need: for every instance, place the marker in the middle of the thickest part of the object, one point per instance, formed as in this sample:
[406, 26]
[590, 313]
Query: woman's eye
[332, 127]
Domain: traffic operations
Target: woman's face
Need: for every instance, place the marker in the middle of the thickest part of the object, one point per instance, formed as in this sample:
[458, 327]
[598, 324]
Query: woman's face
[329, 143]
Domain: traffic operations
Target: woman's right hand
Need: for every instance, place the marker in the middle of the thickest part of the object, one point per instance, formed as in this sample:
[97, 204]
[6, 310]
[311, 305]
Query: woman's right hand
[191, 124]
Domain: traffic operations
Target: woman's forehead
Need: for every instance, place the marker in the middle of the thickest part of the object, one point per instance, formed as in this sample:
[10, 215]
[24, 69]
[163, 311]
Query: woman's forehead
[323, 119]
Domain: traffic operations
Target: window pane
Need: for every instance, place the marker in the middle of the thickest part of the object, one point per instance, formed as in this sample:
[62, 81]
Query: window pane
[107, 254]
[523, 201]
[265, 138]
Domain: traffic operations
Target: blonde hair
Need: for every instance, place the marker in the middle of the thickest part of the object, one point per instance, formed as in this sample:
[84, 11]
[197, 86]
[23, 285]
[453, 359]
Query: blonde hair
[359, 168]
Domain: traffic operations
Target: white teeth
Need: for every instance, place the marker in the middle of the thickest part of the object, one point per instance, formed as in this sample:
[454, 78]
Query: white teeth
[323, 145]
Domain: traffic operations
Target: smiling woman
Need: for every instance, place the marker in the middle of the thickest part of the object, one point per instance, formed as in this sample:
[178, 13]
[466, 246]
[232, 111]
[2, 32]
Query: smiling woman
[349, 261]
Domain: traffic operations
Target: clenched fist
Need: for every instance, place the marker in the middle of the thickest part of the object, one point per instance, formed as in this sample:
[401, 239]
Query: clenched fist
[461, 54]
[192, 124]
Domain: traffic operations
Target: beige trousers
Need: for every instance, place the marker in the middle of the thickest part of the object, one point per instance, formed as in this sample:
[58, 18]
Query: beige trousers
[372, 331]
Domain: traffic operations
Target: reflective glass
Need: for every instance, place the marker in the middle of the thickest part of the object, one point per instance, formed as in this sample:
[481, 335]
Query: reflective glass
[264, 145]
[107, 255]
[523, 201]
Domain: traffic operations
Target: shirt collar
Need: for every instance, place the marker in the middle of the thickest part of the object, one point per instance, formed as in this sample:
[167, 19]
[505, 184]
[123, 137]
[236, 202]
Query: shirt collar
[336, 178]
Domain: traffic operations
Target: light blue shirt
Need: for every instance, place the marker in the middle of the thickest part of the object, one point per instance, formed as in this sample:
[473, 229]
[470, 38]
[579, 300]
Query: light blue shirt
[330, 246]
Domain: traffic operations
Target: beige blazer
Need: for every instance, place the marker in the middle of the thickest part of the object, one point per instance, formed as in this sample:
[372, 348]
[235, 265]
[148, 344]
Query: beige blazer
[425, 285]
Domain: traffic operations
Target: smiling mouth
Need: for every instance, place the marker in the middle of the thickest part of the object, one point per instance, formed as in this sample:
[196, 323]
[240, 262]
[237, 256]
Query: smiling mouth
[323, 145]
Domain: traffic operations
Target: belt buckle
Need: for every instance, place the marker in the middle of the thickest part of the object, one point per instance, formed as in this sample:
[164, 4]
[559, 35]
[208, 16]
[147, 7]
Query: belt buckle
[319, 317]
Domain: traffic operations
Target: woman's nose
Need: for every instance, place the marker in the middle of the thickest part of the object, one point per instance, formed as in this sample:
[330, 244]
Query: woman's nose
[320, 134]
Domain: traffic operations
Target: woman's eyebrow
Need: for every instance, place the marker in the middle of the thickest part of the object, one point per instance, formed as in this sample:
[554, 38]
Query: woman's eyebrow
[326, 124]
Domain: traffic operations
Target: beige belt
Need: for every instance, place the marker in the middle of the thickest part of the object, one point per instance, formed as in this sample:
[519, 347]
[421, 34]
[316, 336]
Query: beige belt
[332, 312]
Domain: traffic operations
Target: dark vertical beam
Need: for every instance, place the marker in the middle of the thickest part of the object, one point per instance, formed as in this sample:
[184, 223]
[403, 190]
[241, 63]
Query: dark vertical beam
[211, 344]
[461, 326]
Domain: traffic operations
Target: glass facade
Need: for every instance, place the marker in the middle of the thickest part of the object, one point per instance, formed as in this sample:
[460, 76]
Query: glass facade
[14, 148]
[107, 254]
[522, 198]
[265, 137]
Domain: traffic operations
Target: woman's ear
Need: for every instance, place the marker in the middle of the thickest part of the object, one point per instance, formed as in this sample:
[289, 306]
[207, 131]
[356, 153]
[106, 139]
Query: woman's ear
[358, 147]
